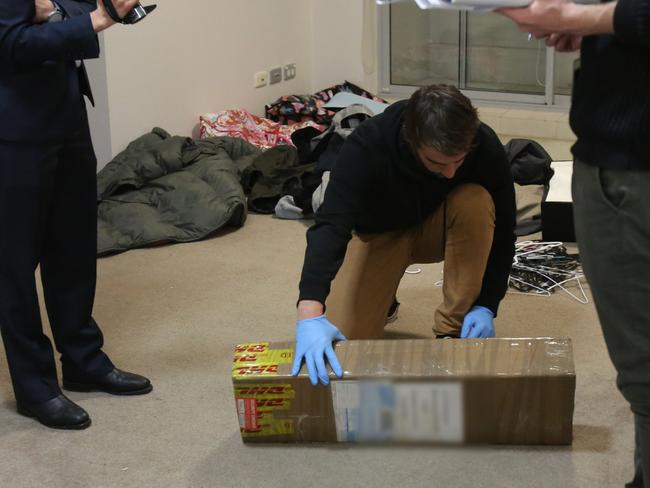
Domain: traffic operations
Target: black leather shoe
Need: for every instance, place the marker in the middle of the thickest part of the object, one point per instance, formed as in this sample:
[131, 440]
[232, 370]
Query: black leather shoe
[58, 413]
[116, 382]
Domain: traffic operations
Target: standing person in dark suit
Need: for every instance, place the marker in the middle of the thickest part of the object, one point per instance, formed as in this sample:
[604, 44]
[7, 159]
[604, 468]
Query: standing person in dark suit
[610, 114]
[48, 211]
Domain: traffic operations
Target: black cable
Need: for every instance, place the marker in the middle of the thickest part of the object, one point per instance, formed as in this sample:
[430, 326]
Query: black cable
[535, 271]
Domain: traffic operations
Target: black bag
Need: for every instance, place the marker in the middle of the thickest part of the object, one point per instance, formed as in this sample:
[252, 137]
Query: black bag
[530, 165]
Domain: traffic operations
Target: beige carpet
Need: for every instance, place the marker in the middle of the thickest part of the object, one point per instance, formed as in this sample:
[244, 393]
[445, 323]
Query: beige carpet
[174, 312]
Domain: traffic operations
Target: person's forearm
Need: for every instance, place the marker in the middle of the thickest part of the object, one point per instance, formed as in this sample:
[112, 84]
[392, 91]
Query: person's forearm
[100, 21]
[43, 9]
[585, 20]
[308, 309]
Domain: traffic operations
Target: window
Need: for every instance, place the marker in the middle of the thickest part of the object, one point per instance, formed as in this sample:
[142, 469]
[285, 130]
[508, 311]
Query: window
[484, 54]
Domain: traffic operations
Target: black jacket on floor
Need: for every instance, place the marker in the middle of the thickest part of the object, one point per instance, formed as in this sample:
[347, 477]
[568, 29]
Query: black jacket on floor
[378, 185]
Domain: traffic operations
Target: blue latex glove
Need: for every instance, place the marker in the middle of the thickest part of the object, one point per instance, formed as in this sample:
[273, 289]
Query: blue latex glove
[314, 339]
[478, 324]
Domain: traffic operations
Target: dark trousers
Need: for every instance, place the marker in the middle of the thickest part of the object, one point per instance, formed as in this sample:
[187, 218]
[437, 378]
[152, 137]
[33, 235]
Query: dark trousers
[612, 217]
[48, 216]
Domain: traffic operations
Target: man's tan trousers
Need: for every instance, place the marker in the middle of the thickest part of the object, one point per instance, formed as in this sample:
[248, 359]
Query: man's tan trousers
[460, 232]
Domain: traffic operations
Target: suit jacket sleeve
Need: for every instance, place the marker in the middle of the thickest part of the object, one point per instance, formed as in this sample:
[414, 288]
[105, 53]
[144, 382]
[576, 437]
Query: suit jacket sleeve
[74, 8]
[24, 44]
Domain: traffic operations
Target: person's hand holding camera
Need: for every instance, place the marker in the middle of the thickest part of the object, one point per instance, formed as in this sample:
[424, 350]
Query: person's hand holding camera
[100, 18]
[43, 9]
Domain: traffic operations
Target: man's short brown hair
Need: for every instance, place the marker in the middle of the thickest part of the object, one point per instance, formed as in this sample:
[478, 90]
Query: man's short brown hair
[441, 117]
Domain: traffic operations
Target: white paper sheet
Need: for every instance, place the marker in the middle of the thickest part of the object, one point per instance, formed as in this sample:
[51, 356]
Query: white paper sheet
[345, 99]
[560, 184]
[479, 5]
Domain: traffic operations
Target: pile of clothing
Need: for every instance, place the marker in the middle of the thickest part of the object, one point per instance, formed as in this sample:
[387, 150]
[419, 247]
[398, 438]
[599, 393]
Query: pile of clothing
[165, 188]
[314, 124]
[293, 109]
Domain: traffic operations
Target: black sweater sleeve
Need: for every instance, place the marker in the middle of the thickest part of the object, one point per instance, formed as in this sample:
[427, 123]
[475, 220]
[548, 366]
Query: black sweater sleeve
[501, 188]
[327, 239]
[632, 21]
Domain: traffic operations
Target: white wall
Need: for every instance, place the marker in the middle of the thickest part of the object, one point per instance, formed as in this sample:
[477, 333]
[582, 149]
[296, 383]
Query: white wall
[344, 43]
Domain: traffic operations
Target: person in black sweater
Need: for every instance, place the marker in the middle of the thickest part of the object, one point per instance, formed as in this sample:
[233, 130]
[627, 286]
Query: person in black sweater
[425, 181]
[610, 114]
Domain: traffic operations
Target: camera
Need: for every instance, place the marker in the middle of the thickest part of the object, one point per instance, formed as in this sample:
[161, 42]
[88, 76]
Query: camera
[133, 17]
[137, 14]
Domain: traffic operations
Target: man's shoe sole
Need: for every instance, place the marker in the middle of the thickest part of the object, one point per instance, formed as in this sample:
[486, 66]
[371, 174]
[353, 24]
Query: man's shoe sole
[393, 316]
[27, 413]
[89, 388]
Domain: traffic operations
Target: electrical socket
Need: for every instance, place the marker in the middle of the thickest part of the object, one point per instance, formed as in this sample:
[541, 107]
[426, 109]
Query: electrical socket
[289, 71]
[276, 75]
[261, 79]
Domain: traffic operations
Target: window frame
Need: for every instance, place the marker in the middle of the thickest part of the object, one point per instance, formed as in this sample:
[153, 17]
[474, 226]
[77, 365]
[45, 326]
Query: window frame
[548, 100]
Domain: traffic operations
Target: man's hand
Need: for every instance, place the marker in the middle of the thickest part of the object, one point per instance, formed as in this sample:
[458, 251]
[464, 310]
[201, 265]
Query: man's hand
[541, 17]
[314, 339]
[478, 324]
[43, 9]
[100, 18]
[564, 43]
[544, 17]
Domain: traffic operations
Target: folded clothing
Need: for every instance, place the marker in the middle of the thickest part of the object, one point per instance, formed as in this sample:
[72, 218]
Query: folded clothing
[263, 133]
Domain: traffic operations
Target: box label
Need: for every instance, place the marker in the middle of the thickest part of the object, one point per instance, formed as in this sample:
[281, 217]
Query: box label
[247, 412]
[259, 360]
[383, 411]
[257, 405]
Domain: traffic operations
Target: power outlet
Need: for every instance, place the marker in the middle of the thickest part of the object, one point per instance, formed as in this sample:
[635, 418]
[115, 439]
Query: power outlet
[289, 71]
[276, 75]
[261, 79]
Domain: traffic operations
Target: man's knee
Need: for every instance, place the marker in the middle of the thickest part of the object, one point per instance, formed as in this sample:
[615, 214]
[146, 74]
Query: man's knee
[470, 203]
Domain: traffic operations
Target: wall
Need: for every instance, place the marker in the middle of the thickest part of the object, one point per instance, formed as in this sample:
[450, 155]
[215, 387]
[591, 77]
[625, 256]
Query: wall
[200, 56]
[344, 43]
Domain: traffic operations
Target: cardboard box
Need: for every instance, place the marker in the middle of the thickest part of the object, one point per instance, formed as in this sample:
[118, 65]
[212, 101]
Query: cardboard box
[497, 391]
[557, 209]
